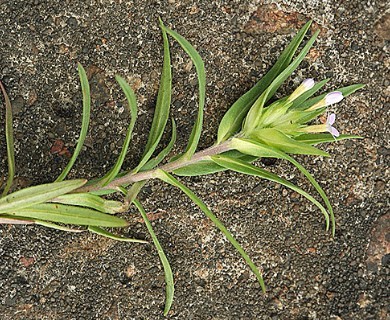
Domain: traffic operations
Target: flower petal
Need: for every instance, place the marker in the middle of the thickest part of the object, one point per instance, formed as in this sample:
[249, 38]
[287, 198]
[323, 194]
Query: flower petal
[308, 83]
[334, 132]
[331, 119]
[333, 97]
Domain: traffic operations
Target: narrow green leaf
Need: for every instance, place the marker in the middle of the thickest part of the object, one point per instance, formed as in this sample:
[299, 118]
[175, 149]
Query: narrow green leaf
[85, 122]
[260, 150]
[316, 138]
[161, 113]
[346, 91]
[70, 215]
[160, 157]
[199, 66]
[132, 105]
[90, 200]
[279, 140]
[132, 193]
[107, 234]
[250, 169]
[198, 169]
[163, 258]
[9, 137]
[255, 113]
[255, 149]
[232, 120]
[57, 227]
[38, 194]
[122, 189]
[208, 167]
[171, 180]
[307, 116]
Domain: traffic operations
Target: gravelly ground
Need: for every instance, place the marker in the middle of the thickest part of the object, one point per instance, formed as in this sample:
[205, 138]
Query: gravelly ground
[46, 274]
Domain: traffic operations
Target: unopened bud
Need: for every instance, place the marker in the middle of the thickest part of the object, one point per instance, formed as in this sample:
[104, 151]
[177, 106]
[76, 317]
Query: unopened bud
[333, 97]
[305, 86]
[330, 98]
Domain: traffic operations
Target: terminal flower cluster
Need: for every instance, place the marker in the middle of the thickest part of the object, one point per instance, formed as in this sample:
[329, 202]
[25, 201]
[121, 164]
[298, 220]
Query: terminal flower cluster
[291, 119]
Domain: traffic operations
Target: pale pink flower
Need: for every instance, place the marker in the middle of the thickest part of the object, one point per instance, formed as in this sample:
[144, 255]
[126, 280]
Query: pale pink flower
[329, 122]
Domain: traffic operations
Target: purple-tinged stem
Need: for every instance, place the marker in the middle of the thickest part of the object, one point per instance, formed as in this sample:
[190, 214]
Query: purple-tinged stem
[169, 167]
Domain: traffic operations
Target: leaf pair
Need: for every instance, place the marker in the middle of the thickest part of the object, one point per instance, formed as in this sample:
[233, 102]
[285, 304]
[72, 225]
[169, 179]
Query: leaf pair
[85, 122]
[161, 113]
[159, 122]
[132, 106]
[200, 71]
[32, 203]
[158, 126]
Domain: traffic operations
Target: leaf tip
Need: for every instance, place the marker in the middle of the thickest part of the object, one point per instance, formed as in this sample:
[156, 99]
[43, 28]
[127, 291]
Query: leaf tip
[80, 67]
[360, 86]
[162, 25]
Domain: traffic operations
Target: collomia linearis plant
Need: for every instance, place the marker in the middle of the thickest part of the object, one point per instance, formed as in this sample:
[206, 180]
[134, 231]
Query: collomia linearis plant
[251, 129]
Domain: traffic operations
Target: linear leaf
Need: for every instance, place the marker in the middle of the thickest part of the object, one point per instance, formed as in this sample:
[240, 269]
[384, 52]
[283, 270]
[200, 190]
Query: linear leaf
[38, 194]
[255, 149]
[315, 138]
[90, 200]
[132, 106]
[199, 168]
[279, 140]
[260, 150]
[307, 116]
[132, 193]
[171, 180]
[107, 234]
[85, 122]
[199, 66]
[160, 157]
[122, 189]
[9, 137]
[247, 168]
[232, 120]
[208, 167]
[161, 113]
[163, 258]
[346, 91]
[55, 212]
[255, 113]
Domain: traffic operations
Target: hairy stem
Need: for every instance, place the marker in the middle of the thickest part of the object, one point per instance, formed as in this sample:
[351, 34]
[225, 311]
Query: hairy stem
[169, 167]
